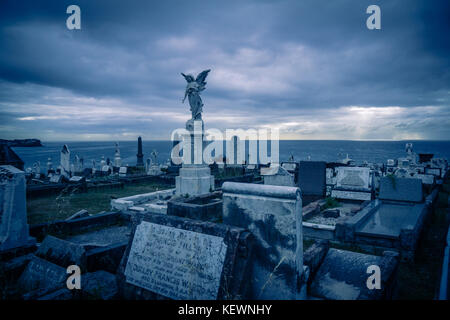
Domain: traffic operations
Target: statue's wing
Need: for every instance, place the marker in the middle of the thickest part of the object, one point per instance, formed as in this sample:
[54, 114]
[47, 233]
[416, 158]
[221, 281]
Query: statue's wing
[201, 77]
[188, 77]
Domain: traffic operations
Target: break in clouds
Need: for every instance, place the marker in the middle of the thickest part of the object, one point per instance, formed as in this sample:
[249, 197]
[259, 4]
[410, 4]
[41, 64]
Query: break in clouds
[311, 69]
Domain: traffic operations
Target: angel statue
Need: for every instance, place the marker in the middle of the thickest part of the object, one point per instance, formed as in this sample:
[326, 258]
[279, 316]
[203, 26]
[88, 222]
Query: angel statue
[193, 89]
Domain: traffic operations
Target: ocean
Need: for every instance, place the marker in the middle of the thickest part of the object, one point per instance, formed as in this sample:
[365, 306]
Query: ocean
[320, 150]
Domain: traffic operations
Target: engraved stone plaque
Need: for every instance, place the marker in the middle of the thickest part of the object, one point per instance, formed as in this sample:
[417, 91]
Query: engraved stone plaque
[353, 177]
[176, 263]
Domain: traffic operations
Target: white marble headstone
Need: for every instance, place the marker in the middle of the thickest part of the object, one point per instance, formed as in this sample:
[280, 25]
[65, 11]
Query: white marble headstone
[176, 263]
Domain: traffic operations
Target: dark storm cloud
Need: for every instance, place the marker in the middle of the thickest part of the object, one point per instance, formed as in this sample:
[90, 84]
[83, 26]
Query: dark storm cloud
[297, 65]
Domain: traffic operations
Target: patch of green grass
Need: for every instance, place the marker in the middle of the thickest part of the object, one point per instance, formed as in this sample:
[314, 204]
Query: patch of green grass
[331, 203]
[63, 205]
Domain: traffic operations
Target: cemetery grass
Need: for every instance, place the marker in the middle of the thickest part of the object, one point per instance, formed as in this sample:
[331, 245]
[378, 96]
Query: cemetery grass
[63, 205]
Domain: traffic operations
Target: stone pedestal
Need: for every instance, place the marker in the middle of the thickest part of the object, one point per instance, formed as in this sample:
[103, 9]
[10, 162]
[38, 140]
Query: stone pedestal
[194, 180]
[195, 176]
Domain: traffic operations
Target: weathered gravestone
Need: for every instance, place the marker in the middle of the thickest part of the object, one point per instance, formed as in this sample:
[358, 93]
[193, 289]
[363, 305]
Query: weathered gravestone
[63, 253]
[40, 277]
[14, 231]
[123, 171]
[178, 258]
[46, 272]
[352, 183]
[279, 178]
[274, 216]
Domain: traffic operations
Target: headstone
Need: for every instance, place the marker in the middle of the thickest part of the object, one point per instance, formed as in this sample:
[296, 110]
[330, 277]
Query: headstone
[353, 178]
[56, 178]
[401, 189]
[426, 178]
[41, 276]
[273, 214]
[330, 178]
[312, 177]
[177, 258]
[49, 165]
[154, 170]
[77, 164]
[281, 178]
[65, 159]
[106, 169]
[352, 183]
[434, 171]
[117, 159]
[62, 253]
[123, 171]
[14, 231]
[290, 166]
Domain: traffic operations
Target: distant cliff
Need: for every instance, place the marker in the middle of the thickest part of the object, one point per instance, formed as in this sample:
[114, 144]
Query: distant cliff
[22, 142]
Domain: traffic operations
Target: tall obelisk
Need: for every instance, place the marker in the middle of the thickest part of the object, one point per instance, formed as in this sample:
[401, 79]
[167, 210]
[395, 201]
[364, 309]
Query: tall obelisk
[140, 155]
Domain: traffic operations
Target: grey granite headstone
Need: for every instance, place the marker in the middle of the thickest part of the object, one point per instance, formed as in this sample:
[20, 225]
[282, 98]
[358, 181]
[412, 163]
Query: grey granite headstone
[178, 258]
[401, 189]
[312, 177]
[274, 216]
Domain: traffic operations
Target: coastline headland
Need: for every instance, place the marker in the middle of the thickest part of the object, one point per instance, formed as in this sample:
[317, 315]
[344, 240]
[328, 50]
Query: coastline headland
[22, 142]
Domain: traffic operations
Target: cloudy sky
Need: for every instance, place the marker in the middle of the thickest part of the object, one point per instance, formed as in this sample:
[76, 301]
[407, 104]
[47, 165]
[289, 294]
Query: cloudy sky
[310, 68]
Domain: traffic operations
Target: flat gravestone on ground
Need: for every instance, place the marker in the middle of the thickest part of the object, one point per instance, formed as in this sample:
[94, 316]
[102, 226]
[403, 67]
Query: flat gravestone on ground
[312, 178]
[401, 189]
[178, 258]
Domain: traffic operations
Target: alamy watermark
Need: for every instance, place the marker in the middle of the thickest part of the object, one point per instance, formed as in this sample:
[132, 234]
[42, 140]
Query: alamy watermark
[374, 280]
[206, 146]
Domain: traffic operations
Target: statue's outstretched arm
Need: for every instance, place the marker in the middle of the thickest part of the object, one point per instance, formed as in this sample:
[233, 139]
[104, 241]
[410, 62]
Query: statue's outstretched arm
[185, 95]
